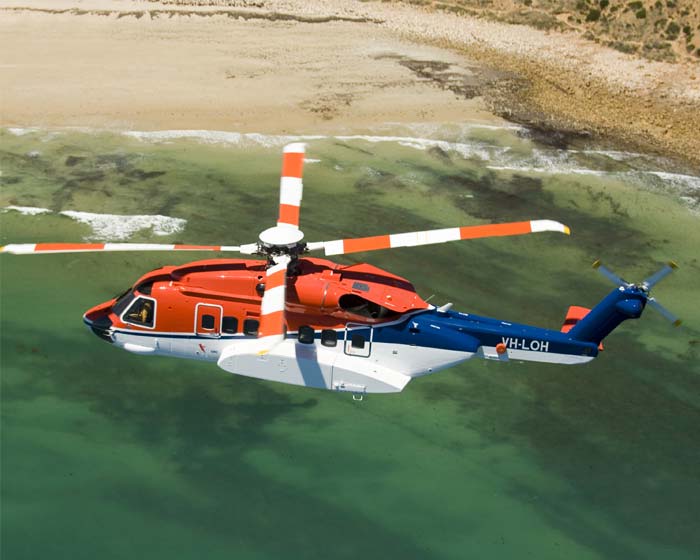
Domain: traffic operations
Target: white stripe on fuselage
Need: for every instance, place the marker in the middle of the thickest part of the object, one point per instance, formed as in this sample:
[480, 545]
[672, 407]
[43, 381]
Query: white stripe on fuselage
[489, 352]
[407, 359]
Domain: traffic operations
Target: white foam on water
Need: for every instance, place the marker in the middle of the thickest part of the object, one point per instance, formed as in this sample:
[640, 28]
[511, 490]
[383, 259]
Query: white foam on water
[497, 158]
[271, 141]
[311, 160]
[612, 154]
[218, 137]
[205, 136]
[678, 180]
[465, 149]
[47, 134]
[112, 227]
[479, 150]
[27, 210]
[459, 130]
[15, 131]
[118, 227]
[551, 170]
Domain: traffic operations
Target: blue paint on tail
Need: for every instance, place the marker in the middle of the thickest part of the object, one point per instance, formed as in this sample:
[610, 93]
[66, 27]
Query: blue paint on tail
[625, 302]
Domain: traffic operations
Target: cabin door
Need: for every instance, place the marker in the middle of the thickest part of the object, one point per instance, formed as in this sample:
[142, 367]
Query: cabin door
[358, 340]
[208, 320]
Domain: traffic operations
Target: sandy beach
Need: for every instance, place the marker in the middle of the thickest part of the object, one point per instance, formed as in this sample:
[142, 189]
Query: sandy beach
[218, 72]
[304, 67]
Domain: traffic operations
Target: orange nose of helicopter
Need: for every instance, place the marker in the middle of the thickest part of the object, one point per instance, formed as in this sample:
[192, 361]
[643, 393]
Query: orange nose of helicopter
[98, 321]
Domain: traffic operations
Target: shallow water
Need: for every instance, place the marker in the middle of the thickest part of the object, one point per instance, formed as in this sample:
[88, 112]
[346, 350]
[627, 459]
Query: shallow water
[106, 454]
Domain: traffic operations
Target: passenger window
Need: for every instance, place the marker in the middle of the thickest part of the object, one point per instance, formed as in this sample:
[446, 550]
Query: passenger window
[306, 335]
[329, 337]
[358, 341]
[141, 312]
[208, 322]
[251, 326]
[229, 325]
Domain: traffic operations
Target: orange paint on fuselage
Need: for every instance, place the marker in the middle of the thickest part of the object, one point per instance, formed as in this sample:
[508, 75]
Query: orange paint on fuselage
[314, 291]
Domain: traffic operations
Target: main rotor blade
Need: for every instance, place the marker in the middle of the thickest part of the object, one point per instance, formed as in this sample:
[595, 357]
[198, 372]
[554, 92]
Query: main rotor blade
[271, 331]
[609, 274]
[675, 321]
[46, 248]
[291, 186]
[655, 278]
[415, 238]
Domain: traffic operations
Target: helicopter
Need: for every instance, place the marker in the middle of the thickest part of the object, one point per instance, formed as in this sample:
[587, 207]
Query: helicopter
[312, 322]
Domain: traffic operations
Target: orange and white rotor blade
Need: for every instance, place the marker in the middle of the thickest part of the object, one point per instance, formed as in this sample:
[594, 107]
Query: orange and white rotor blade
[48, 248]
[272, 320]
[291, 186]
[415, 238]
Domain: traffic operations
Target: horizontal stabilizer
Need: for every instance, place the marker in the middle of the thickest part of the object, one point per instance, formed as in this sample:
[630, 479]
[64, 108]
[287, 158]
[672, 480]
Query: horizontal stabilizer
[573, 315]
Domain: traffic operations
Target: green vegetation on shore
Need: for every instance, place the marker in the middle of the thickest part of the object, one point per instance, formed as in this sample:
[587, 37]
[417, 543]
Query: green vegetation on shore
[655, 29]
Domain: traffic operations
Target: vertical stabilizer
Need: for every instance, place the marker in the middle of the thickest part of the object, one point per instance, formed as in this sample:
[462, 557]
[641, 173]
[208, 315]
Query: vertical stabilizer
[619, 305]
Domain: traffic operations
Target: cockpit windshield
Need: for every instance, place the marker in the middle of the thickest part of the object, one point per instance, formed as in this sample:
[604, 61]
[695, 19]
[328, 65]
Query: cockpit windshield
[123, 302]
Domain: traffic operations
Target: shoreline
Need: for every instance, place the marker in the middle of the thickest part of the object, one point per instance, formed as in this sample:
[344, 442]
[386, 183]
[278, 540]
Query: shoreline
[496, 149]
[296, 67]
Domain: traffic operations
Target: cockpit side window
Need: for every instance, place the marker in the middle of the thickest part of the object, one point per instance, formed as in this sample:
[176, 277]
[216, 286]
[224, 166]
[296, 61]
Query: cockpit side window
[142, 312]
[361, 306]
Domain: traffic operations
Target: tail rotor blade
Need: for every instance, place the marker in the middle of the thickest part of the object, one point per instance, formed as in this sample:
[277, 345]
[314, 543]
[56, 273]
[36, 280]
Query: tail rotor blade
[291, 186]
[272, 317]
[415, 238]
[655, 278]
[609, 274]
[675, 321]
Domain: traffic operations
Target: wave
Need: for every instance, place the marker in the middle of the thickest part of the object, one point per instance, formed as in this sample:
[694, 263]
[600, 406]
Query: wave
[112, 227]
[498, 156]
[678, 180]
[494, 157]
[550, 170]
[616, 155]
[219, 137]
[16, 131]
[27, 210]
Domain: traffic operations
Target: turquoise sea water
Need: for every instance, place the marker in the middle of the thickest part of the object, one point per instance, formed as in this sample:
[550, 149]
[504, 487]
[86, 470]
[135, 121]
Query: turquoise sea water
[111, 455]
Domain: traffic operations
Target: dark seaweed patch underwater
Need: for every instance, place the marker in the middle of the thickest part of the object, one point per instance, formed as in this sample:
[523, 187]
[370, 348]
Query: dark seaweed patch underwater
[111, 455]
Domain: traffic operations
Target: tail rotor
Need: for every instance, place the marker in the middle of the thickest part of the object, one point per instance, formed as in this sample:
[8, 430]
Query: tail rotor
[645, 286]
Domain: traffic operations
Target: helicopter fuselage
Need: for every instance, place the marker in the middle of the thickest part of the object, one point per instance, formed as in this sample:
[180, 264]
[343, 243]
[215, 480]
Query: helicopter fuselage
[353, 328]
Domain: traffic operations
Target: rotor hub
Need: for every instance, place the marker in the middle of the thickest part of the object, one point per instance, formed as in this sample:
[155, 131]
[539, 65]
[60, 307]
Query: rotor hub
[281, 236]
[281, 240]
